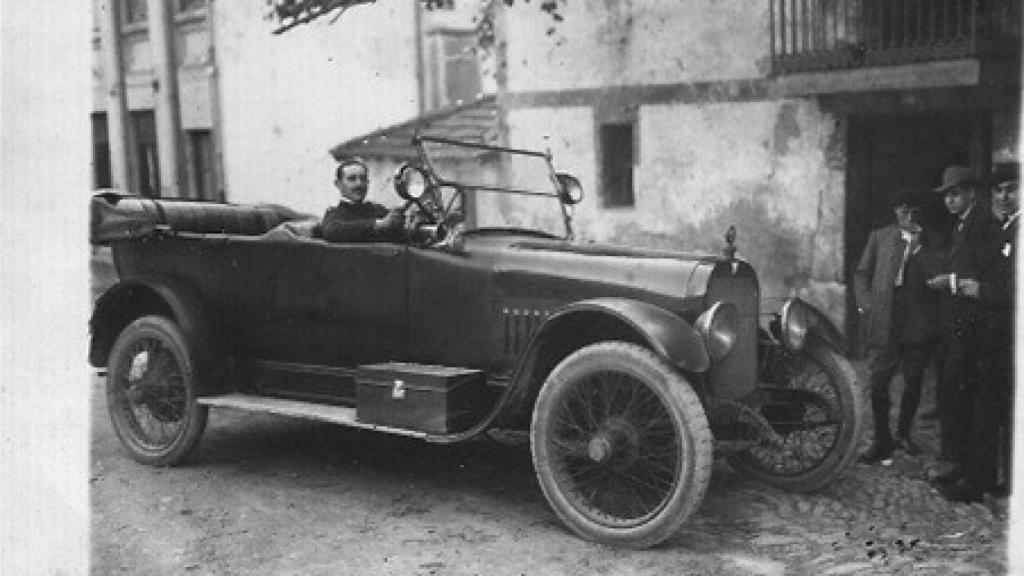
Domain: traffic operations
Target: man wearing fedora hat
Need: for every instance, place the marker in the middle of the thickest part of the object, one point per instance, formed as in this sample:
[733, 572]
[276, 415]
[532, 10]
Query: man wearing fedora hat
[900, 315]
[991, 419]
[958, 376]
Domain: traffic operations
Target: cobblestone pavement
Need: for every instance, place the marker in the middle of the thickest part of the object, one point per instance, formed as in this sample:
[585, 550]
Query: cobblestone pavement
[878, 519]
[267, 495]
[882, 519]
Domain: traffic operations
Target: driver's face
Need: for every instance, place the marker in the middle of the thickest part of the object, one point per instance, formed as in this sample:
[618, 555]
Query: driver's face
[353, 183]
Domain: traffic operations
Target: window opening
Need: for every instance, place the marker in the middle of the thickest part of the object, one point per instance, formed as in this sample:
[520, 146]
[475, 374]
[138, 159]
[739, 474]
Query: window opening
[617, 160]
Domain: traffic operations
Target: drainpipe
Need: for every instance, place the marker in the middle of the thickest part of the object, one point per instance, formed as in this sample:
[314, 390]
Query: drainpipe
[167, 108]
[498, 12]
[213, 73]
[420, 76]
[117, 101]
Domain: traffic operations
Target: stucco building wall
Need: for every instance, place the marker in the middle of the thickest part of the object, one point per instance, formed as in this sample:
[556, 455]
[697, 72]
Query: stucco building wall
[285, 100]
[614, 42]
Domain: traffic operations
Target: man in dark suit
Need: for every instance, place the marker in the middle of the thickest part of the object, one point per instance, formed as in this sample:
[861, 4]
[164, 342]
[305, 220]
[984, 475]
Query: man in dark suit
[991, 422]
[354, 219]
[968, 246]
[900, 310]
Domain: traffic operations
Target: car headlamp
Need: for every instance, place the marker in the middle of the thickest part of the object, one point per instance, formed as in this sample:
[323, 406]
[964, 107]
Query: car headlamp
[795, 322]
[411, 182]
[718, 324]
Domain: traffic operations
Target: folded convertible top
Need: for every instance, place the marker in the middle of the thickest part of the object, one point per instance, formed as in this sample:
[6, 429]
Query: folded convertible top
[117, 217]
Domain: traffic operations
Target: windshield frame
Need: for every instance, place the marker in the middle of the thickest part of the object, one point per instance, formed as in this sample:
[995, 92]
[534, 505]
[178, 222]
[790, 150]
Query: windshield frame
[419, 142]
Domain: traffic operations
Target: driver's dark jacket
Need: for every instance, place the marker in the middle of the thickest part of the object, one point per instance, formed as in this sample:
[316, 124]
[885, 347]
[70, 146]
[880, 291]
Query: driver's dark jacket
[349, 222]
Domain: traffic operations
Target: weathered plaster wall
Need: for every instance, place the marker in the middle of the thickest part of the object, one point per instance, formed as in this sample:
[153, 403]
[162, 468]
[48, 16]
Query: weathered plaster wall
[775, 170]
[286, 99]
[616, 42]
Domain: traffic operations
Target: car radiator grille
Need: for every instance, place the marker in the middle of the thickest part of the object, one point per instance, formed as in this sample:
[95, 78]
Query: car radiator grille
[736, 375]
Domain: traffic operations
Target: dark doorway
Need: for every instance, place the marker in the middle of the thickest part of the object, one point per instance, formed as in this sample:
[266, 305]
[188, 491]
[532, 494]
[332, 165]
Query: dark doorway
[202, 177]
[101, 176]
[888, 154]
[146, 158]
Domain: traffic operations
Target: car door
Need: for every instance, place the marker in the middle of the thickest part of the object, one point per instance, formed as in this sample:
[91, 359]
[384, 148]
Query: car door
[450, 310]
[344, 304]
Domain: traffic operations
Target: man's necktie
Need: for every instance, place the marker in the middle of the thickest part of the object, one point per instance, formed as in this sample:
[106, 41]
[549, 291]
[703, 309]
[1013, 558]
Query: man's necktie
[903, 264]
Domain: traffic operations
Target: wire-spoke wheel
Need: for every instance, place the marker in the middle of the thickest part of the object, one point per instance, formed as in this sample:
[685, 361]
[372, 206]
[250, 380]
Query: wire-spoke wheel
[819, 439]
[151, 392]
[621, 445]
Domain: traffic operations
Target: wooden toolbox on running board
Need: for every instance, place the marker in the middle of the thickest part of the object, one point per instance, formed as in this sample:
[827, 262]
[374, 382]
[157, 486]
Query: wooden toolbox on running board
[434, 399]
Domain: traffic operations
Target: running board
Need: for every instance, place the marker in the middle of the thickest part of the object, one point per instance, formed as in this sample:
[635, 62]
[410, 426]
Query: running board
[299, 409]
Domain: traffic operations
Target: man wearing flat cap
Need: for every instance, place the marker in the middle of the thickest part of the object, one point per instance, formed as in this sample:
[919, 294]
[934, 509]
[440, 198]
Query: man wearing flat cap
[991, 419]
[968, 245]
[900, 313]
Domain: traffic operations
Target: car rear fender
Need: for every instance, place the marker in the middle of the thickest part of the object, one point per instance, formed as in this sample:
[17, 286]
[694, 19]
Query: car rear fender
[131, 299]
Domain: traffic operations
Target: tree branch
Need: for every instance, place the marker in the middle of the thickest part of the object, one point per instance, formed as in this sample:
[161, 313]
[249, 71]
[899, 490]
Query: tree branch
[292, 13]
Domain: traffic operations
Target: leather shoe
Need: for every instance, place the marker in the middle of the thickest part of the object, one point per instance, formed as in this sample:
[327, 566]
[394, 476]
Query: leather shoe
[1002, 490]
[962, 491]
[948, 478]
[877, 453]
[903, 442]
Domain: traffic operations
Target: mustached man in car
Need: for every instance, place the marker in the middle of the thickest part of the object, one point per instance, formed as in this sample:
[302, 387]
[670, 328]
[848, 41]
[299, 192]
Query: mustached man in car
[354, 219]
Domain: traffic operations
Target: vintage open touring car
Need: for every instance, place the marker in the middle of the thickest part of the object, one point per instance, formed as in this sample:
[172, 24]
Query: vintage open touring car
[630, 368]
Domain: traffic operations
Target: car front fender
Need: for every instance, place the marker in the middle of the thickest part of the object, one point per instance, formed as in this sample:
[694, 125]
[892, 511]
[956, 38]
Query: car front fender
[824, 329]
[140, 296]
[820, 326]
[668, 335]
[587, 322]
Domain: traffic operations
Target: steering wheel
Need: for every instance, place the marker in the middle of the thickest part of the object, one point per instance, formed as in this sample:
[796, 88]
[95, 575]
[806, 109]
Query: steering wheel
[428, 223]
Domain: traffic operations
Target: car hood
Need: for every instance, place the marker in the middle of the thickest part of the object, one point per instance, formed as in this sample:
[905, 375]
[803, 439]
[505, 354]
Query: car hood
[570, 270]
[597, 249]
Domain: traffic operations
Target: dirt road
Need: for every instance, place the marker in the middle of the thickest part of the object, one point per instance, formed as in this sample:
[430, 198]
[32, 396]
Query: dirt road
[267, 495]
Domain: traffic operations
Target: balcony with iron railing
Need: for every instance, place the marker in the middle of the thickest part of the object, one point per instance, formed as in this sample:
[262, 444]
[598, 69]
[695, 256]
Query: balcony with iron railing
[825, 35]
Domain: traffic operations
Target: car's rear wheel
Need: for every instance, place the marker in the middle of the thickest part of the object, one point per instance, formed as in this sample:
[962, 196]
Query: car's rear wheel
[151, 392]
[818, 439]
[621, 445]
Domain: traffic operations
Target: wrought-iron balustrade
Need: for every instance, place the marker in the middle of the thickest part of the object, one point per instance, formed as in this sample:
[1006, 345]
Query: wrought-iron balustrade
[810, 35]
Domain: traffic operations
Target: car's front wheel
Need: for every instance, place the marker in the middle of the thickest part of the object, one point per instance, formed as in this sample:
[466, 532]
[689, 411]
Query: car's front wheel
[621, 445]
[818, 436]
[151, 392]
